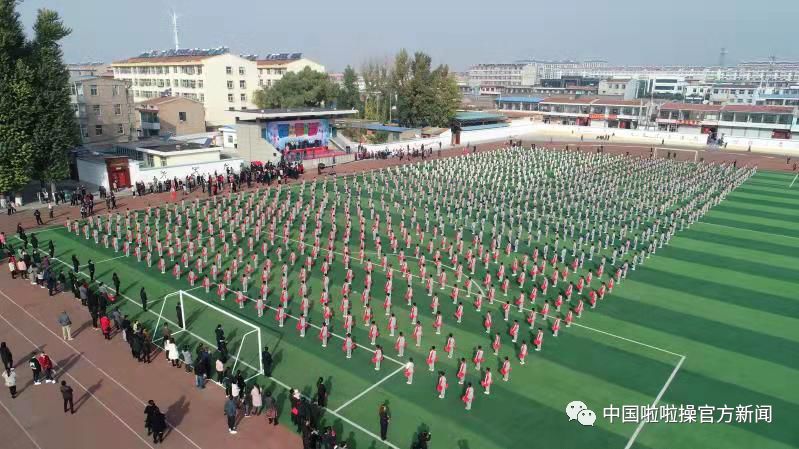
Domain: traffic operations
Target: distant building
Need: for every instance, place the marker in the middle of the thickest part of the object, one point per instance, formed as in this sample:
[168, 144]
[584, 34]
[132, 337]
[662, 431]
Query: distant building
[733, 120]
[103, 109]
[273, 67]
[169, 116]
[595, 112]
[221, 81]
[624, 88]
[89, 69]
[513, 74]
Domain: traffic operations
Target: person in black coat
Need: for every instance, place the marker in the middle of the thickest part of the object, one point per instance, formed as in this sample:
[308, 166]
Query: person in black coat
[385, 417]
[266, 360]
[6, 356]
[321, 393]
[158, 427]
[143, 296]
[149, 412]
[75, 264]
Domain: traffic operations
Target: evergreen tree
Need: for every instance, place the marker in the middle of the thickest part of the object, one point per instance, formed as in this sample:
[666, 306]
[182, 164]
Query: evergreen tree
[349, 96]
[17, 93]
[56, 131]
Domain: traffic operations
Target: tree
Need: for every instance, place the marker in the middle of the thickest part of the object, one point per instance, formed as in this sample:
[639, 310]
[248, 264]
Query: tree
[37, 126]
[349, 96]
[55, 132]
[425, 97]
[307, 88]
[16, 96]
[376, 85]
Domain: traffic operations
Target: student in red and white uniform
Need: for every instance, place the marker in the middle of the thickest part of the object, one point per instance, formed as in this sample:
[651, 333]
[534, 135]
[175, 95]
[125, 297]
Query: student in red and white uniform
[348, 346]
[221, 290]
[505, 370]
[569, 318]
[555, 327]
[377, 357]
[438, 322]
[449, 347]
[459, 312]
[506, 311]
[373, 333]
[409, 368]
[192, 278]
[400, 345]
[432, 357]
[414, 313]
[523, 350]
[461, 374]
[434, 304]
[468, 396]
[392, 325]
[514, 331]
[545, 310]
[280, 315]
[441, 385]
[578, 309]
[497, 343]
[302, 324]
[539, 339]
[240, 299]
[366, 315]
[417, 333]
[487, 322]
[479, 358]
[259, 307]
[488, 379]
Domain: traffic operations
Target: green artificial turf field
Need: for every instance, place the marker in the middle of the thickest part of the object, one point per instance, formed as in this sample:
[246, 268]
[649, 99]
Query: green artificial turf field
[710, 319]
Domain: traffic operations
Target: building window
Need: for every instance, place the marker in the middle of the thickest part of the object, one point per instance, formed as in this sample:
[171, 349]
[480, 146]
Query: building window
[241, 70]
[114, 90]
[93, 90]
[242, 84]
[230, 138]
[96, 110]
[199, 70]
[98, 130]
[229, 70]
[117, 109]
[230, 84]
[182, 116]
[231, 108]
[202, 98]
[260, 82]
[175, 69]
[230, 98]
[243, 97]
[199, 84]
[177, 83]
[120, 129]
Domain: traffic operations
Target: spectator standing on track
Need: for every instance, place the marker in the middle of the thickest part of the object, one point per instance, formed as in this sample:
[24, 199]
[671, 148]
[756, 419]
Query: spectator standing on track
[38, 216]
[270, 408]
[93, 303]
[256, 400]
[36, 369]
[66, 326]
[146, 346]
[149, 412]
[158, 426]
[75, 264]
[10, 379]
[230, 413]
[105, 326]
[188, 361]
[172, 353]
[66, 393]
[115, 279]
[6, 356]
[46, 365]
[220, 371]
[83, 293]
[90, 266]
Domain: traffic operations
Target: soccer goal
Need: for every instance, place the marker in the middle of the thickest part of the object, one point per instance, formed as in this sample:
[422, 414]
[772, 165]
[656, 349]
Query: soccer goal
[685, 154]
[192, 320]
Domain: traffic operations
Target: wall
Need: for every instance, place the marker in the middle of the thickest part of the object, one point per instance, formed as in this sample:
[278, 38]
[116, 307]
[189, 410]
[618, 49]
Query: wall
[93, 172]
[253, 147]
[180, 159]
[168, 115]
[216, 91]
[107, 118]
[181, 171]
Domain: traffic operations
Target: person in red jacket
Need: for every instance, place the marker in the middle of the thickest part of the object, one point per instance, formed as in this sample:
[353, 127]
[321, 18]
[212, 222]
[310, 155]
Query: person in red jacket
[105, 326]
[46, 365]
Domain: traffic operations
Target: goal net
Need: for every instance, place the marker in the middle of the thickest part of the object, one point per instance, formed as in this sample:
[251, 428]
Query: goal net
[193, 320]
[680, 154]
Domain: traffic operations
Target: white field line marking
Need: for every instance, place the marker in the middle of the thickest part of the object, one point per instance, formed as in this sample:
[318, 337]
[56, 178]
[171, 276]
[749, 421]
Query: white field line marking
[794, 180]
[19, 424]
[109, 259]
[75, 381]
[657, 399]
[369, 389]
[241, 344]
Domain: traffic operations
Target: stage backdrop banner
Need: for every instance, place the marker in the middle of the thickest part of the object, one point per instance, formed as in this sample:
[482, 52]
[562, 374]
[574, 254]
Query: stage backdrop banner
[281, 133]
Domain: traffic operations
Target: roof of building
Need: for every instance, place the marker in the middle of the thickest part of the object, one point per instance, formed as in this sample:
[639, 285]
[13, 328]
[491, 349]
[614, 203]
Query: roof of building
[567, 100]
[615, 102]
[521, 99]
[675, 105]
[271, 63]
[385, 128]
[274, 114]
[182, 55]
[757, 108]
[477, 115]
[158, 101]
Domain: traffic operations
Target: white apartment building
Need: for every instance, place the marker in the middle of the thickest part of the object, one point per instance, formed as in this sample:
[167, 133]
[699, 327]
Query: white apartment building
[274, 66]
[221, 81]
[513, 74]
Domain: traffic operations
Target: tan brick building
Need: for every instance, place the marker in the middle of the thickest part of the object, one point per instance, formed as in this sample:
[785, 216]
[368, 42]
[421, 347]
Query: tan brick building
[103, 109]
[169, 116]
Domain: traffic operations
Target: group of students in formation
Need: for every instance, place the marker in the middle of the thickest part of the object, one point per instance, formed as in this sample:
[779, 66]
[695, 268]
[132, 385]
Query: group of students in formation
[514, 241]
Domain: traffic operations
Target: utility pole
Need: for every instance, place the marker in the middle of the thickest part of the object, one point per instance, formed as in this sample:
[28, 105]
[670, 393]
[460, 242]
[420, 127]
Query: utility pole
[175, 29]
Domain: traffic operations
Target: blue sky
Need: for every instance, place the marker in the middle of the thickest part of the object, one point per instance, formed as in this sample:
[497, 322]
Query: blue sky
[457, 33]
